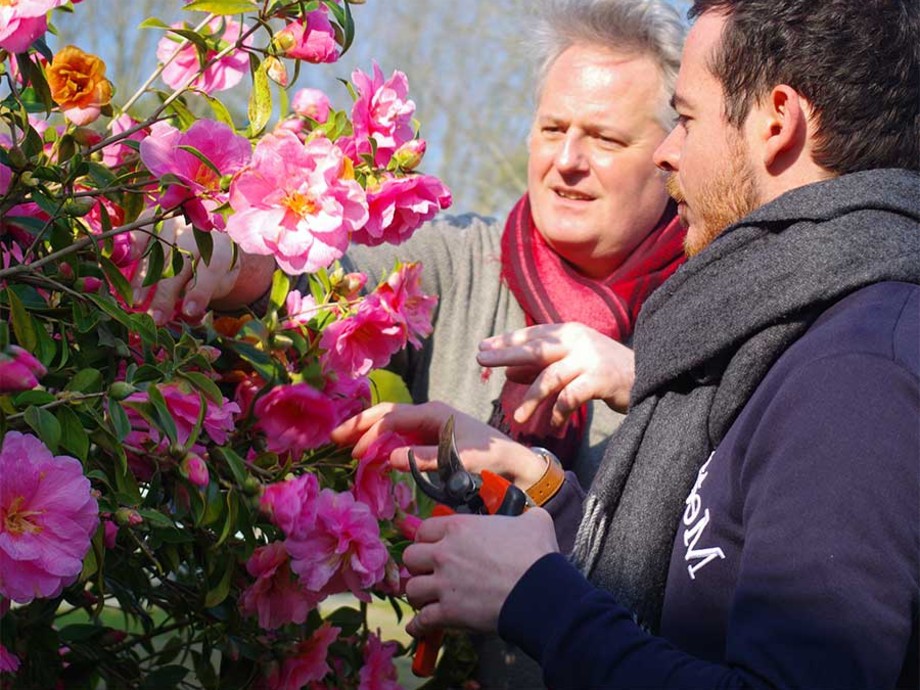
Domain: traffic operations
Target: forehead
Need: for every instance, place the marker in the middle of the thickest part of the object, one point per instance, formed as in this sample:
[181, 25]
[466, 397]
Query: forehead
[589, 80]
[695, 79]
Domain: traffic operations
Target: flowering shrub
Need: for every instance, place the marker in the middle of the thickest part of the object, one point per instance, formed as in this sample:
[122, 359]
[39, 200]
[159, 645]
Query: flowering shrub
[172, 513]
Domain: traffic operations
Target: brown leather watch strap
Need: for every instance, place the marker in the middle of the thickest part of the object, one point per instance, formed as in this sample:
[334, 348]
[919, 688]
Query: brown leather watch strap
[552, 480]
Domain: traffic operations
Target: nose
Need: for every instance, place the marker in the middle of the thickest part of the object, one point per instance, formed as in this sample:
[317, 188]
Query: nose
[571, 155]
[667, 155]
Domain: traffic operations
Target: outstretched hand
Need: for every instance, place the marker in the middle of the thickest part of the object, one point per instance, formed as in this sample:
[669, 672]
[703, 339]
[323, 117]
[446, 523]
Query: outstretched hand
[570, 363]
[465, 566]
[480, 446]
[222, 284]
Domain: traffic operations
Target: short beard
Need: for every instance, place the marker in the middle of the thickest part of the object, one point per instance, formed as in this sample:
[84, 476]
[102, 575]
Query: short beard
[725, 199]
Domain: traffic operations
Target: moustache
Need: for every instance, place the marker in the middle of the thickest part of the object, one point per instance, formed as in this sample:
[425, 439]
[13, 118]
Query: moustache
[673, 188]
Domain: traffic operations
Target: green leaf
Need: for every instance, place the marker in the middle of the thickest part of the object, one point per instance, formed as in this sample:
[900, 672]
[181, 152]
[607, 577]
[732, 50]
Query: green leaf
[119, 418]
[281, 286]
[184, 115]
[388, 387]
[205, 244]
[220, 591]
[348, 619]
[260, 102]
[145, 327]
[117, 278]
[220, 111]
[165, 677]
[162, 413]
[153, 23]
[155, 262]
[236, 464]
[33, 397]
[193, 37]
[45, 425]
[223, 7]
[85, 381]
[23, 326]
[229, 518]
[205, 385]
[73, 435]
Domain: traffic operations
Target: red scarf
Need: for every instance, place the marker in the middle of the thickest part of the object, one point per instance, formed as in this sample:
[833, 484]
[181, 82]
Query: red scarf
[550, 290]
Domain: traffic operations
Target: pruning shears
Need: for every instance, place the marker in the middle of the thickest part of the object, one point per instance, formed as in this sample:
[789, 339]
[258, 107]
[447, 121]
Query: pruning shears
[460, 491]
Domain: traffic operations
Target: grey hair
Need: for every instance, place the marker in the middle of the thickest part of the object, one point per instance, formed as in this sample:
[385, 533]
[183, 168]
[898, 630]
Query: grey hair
[651, 28]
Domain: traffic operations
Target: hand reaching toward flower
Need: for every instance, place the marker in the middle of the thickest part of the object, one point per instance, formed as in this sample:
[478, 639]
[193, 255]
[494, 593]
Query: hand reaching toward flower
[480, 446]
[569, 362]
[221, 284]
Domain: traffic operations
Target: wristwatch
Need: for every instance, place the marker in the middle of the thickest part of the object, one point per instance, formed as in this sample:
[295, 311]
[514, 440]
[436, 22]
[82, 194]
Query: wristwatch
[550, 482]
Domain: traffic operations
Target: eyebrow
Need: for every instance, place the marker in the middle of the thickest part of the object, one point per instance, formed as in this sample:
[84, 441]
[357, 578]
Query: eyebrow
[677, 100]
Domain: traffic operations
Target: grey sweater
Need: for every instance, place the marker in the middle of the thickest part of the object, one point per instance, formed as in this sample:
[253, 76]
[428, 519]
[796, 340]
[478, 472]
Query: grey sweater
[461, 259]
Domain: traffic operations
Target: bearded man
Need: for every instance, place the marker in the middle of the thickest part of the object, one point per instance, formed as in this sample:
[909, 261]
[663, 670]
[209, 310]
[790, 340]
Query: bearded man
[754, 521]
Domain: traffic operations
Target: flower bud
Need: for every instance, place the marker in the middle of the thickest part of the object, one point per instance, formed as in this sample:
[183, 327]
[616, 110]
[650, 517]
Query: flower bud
[409, 155]
[128, 517]
[87, 136]
[17, 158]
[78, 207]
[121, 390]
[283, 41]
[252, 486]
[88, 284]
[194, 469]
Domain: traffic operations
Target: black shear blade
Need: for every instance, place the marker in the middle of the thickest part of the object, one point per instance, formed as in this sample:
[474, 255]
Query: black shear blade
[448, 456]
[433, 492]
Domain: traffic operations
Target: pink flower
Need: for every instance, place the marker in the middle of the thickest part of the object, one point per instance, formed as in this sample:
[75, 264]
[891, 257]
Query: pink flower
[409, 155]
[275, 597]
[295, 418]
[194, 469]
[116, 154]
[297, 202]
[399, 206]
[110, 533]
[299, 309]
[363, 341]
[343, 551]
[23, 21]
[220, 76]
[401, 293]
[307, 662]
[311, 103]
[382, 112]
[291, 504]
[379, 672]
[373, 483]
[199, 191]
[9, 662]
[184, 405]
[19, 370]
[349, 394]
[47, 517]
[310, 38]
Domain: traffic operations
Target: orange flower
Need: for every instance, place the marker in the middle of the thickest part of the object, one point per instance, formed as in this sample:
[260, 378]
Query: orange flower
[78, 84]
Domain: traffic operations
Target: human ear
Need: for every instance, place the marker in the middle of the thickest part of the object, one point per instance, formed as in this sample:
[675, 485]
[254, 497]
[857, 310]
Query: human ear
[784, 125]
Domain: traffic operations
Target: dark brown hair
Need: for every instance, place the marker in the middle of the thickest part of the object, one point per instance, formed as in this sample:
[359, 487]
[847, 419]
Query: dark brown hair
[857, 62]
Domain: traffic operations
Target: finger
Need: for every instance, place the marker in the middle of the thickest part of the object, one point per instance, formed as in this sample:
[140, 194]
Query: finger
[519, 337]
[423, 422]
[421, 590]
[419, 557]
[349, 431]
[426, 458]
[547, 384]
[428, 619]
[575, 394]
[430, 531]
[523, 374]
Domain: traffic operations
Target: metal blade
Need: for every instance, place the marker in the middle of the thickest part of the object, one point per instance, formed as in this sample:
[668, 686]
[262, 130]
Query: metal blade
[433, 492]
[448, 456]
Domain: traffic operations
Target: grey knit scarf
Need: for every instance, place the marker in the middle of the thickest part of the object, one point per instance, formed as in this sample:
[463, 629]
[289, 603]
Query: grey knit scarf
[705, 340]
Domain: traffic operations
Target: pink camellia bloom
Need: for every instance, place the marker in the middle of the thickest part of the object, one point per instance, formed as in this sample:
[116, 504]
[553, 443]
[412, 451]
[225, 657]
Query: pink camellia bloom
[343, 551]
[399, 206]
[349, 394]
[401, 293]
[116, 154]
[22, 21]
[363, 341]
[220, 76]
[297, 202]
[379, 672]
[310, 38]
[9, 662]
[199, 192]
[184, 405]
[374, 488]
[195, 469]
[19, 370]
[276, 597]
[311, 103]
[307, 661]
[291, 504]
[295, 418]
[382, 112]
[48, 515]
